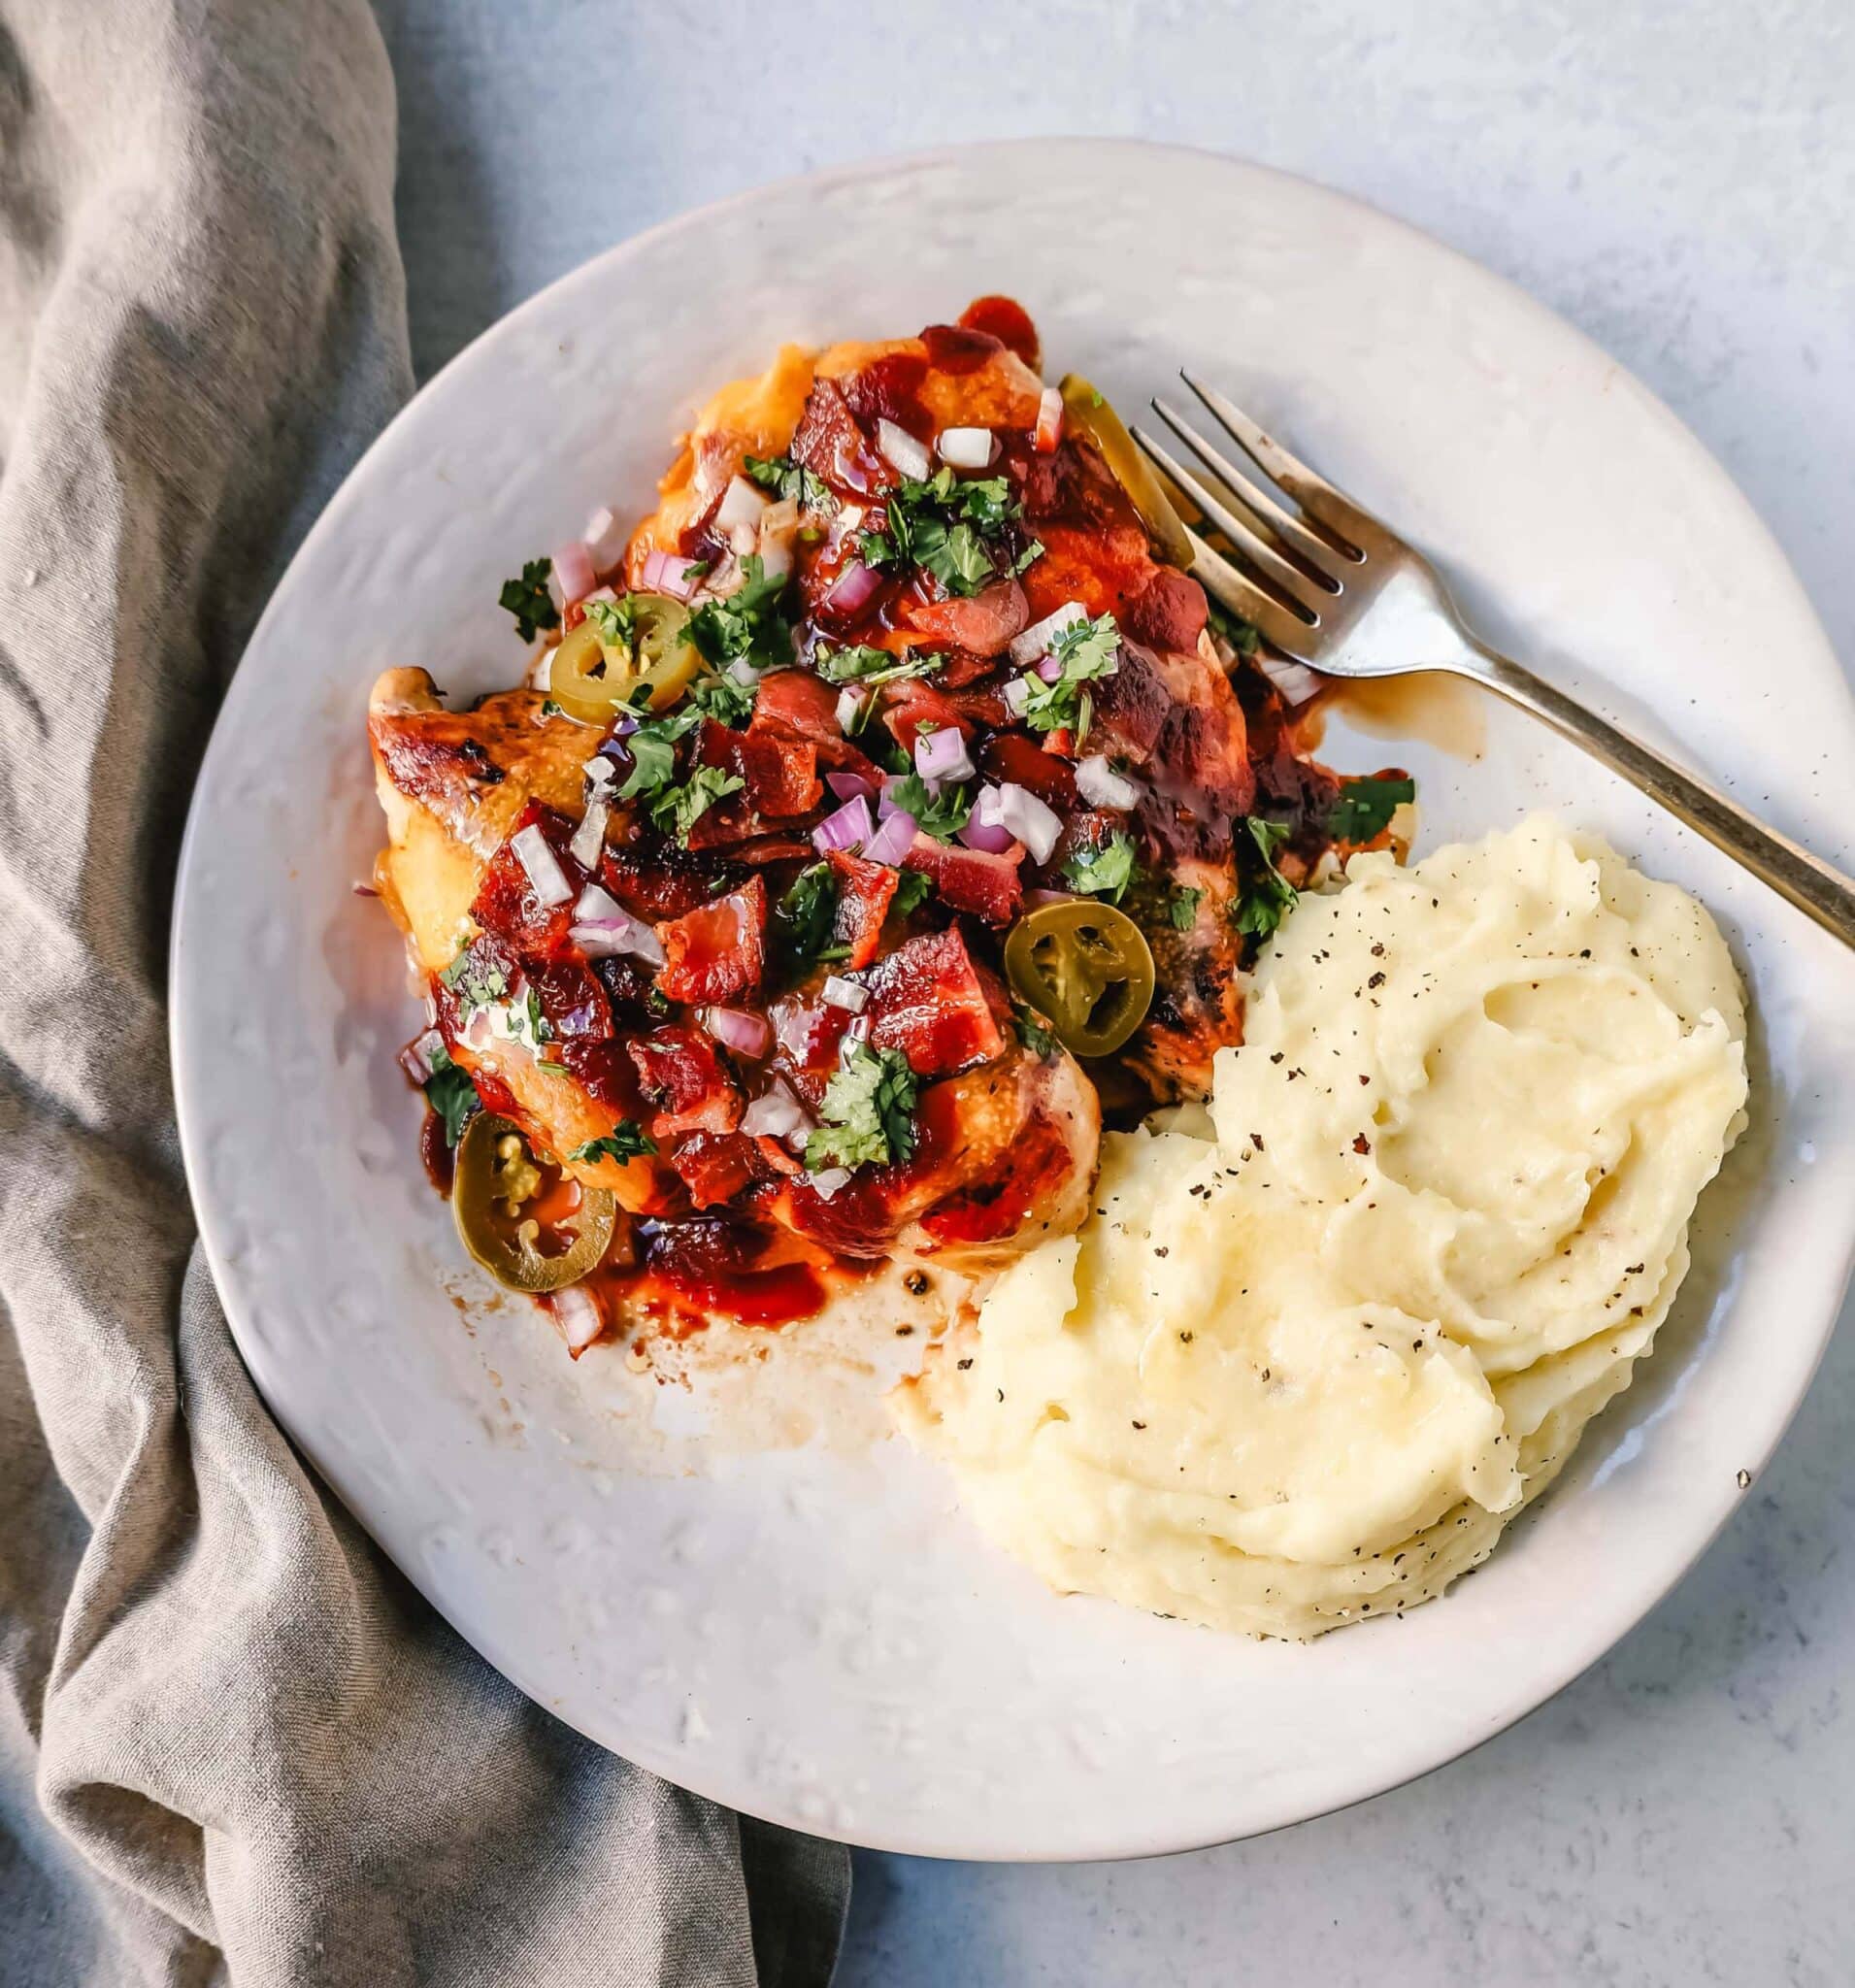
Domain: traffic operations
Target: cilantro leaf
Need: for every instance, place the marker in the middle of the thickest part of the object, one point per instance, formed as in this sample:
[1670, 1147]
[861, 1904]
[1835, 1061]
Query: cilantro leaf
[782, 477]
[912, 889]
[747, 626]
[866, 1113]
[476, 986]
[1181, 908]
[451, 1093]
[626, 1140]
[723, 699]
[1032, 1033]
[652, 751]
[1104, 872]
[677, 808]
[1366, 806]
[1243, 636]
[529, 601]
[615, 623]
[1267, 897]
[855, 662]
[949, 528]
[1083, 651]
[803, 917]
[941, 815]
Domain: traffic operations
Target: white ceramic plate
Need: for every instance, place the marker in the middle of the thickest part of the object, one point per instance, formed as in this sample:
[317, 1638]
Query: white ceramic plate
[809, 1632]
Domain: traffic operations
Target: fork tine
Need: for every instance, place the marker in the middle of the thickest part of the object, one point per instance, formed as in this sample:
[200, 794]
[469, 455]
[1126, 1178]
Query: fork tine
[1290, 535]
[1242, 596]
[1283, 578]
[1317, 497]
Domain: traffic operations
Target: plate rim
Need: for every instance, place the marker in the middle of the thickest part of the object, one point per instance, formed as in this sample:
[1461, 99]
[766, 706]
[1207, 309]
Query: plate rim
[682, 1769]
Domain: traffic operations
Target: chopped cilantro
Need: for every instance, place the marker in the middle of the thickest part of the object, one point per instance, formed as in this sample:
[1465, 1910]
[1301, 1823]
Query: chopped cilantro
[723, 699]
[1083, 651]
[550, 709]
[1181, 908]
[803, 917]
[529, 601]
[1366, 806]
[1104, 872]
[449, 1092]
[615, 623]
[653, 748]
[626, 1140]
[949, 528]
[781, 476]
[855, 662]
[748, 625]
[1243, 636]
[1031, 554]
[1032, 1033]
[477, 986]
[866, 1109]
[941, 815]
[677, 808]
[1267, 897]
[912, 889]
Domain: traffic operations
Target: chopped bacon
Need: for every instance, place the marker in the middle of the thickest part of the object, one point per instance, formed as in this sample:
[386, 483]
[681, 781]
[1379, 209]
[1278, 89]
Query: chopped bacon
[664, 883]
[780, 780]
[795, 705]
[911, 704]
[864, 891]
[1017, 758]
[830, 444]
[927, 1000]
[505, 902]
[1003, 318]
[718, 949]
[679, 1071]
[1168, 612]
[970, 879]
[984, 624]
[888, 389]
[716, 1166]
[572, 1000]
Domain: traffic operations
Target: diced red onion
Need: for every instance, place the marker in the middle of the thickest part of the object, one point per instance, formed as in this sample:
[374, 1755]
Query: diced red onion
[573, 568]
[744, 672]
[844, 827]
[903, 451]
[967, 449]
[856, 1030]
[576, 1319]
[846, 787]
[589, 837]
[1295, 681]
[941, 755]
[852, 703]
[795, 1027]
[742, 503]
[853, 589]
[1030, 821]
[893, 838]
[776, 1114]
[540, 671]
[1102, 787]
[778, 528]
[605, 538]
[602, 928]
[987, 837]
[545, 877]
[1016, 693]
[416, 1059]
[668, 573]
[736, 1029]
[1049, 431]
[831, 1182]
[1038, 637]
[1050, 670]
[849, 995]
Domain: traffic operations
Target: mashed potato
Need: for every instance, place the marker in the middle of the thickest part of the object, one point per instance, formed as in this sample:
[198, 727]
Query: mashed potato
[1309, 1355]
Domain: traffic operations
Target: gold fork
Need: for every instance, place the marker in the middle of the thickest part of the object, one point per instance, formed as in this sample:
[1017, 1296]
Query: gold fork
[1332, 588]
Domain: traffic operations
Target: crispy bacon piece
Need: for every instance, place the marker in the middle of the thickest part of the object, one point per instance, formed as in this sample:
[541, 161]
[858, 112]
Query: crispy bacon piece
[864, 891]
[830, 444]
[660, 883]
[781, 777]
[912, 703]
[970, 879]
[1017, 758]
[985, 624]
[717, 951]
[928, 999]
[1168, 612]
[795, 705]
[679, 1071]
[716, 1166]
[506, 904]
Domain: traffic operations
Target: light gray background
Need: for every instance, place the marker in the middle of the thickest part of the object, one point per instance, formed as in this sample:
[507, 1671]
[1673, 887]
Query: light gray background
[1680, 181]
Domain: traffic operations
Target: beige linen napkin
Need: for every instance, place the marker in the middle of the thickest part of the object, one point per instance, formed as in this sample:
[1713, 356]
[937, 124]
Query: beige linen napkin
[233, 1742]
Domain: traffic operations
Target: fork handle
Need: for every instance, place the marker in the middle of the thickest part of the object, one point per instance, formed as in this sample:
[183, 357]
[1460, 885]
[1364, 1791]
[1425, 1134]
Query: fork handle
[1816, 888]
